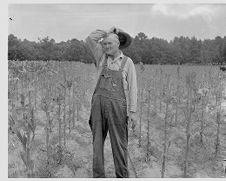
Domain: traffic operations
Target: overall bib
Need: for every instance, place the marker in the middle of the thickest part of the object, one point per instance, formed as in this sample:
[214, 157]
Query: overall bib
[109, 112]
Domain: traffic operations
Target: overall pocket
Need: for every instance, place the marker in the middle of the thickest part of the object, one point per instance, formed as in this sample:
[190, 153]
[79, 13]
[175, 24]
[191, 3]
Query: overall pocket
[106, 82]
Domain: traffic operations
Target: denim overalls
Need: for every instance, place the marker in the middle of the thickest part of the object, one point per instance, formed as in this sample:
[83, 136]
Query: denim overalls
[109, 112]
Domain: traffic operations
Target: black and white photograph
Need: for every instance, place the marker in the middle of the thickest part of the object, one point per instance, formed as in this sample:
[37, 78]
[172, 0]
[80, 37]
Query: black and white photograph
[116, 90]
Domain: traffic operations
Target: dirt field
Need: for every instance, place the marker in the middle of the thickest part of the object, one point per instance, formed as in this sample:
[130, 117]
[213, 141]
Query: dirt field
[61, 93]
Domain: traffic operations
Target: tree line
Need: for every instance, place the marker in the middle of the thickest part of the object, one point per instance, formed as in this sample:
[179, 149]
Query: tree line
[180, 50]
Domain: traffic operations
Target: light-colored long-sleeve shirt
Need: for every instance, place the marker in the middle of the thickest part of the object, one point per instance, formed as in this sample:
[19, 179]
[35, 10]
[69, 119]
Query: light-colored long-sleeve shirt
[128, 72]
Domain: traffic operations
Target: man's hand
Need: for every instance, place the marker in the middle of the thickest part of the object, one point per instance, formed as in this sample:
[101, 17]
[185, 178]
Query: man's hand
[114, 30]
[132, 120]
[131, 115]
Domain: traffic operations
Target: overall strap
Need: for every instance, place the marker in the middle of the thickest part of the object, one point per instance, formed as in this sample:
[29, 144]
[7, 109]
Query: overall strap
[123, 62]
[104, 67]
[105, 63]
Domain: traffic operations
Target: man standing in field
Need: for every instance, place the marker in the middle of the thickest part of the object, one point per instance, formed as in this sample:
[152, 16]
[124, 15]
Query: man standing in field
[114, 101]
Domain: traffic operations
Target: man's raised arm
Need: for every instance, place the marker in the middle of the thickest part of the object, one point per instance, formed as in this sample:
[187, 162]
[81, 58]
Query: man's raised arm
[93, 41]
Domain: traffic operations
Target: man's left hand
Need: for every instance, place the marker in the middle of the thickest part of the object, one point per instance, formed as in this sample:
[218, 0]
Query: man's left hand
[132, 115]
[132, 120]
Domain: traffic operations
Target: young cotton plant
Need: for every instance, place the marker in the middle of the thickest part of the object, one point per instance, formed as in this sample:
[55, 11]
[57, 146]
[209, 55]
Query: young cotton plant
[46, 106]
[59, 100]
[188, 111]
[203, 92]
[26, 138]
[168, 99]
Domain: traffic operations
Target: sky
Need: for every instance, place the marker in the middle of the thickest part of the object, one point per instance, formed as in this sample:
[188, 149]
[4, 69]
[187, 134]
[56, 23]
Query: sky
[63, 22]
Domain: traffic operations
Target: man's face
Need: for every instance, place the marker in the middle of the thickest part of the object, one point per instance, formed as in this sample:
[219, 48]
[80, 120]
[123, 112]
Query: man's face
[110, 45]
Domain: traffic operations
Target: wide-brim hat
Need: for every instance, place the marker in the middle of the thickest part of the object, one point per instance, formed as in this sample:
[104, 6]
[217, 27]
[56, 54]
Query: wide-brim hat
[124, 39]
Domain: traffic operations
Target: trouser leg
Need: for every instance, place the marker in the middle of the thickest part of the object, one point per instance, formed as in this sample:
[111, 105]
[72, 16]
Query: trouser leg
[99, 131]
[118, 129]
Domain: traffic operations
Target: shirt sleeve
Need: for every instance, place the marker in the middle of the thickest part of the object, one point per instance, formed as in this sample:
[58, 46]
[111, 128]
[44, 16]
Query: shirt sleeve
[132, 86]
[93, 43]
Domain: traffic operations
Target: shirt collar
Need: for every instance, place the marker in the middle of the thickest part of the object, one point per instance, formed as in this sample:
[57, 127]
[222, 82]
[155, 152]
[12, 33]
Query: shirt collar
[119, 57]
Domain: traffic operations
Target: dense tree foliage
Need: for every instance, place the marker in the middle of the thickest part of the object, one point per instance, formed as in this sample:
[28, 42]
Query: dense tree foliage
[181, 50]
